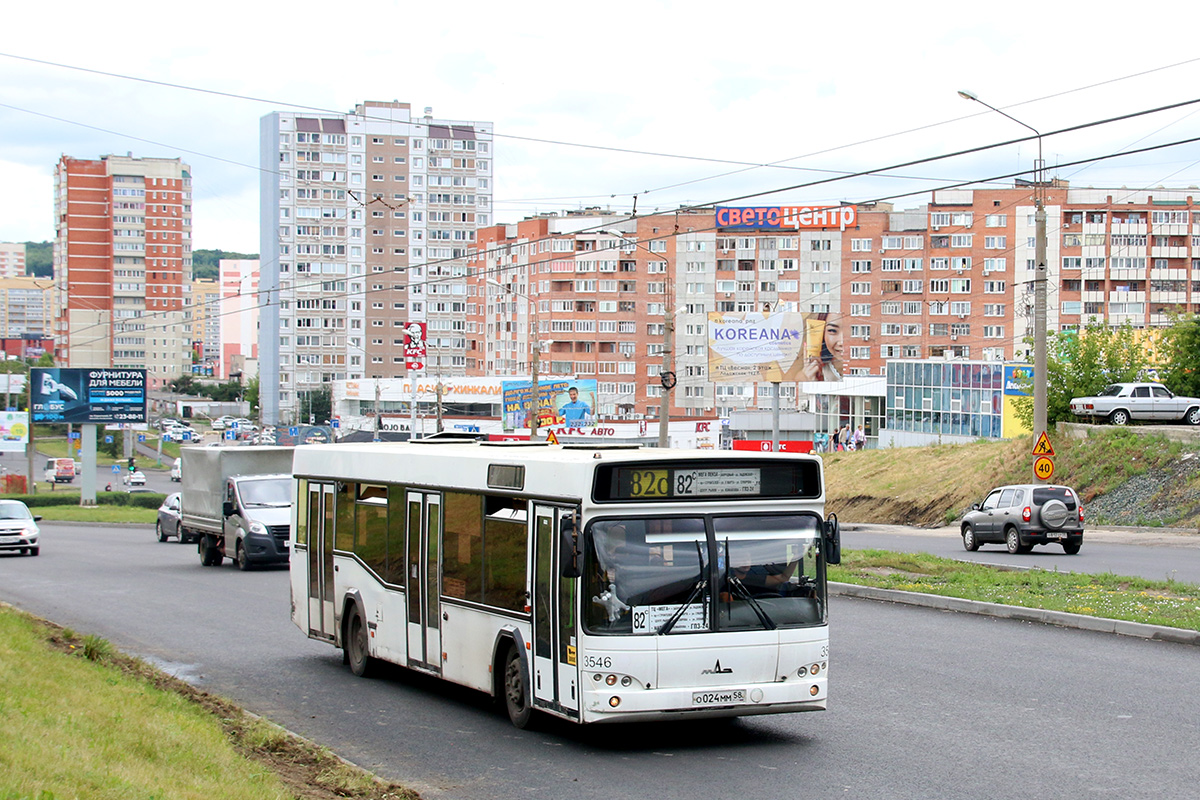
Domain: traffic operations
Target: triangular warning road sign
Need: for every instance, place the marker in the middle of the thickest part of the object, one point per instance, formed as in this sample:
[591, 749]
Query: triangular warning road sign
[1043, 446]
[551, 438]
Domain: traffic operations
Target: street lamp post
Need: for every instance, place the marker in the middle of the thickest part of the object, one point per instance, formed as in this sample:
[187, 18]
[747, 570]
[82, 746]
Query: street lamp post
[667, 377]
[1039, 276]
[534, 362]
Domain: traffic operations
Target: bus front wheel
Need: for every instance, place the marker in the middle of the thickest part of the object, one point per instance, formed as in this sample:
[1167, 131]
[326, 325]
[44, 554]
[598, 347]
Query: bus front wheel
[516, 690]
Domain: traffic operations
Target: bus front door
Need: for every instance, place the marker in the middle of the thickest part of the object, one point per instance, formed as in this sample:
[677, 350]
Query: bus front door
[423, 565]
[321, 621]
[555, 672]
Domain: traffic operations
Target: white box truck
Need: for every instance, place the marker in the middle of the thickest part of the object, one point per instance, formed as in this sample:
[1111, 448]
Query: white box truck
[237, 503]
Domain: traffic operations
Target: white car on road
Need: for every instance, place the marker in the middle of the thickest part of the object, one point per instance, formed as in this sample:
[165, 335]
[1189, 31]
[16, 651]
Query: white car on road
[1121, 403]
[137, 478]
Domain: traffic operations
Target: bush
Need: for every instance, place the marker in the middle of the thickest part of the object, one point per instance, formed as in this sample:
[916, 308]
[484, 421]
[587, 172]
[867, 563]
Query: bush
[137, 500]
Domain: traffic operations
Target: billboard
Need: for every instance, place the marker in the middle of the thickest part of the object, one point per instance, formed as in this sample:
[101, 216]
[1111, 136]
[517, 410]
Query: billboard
[14, 431]
[783, 347]
[561, 401]
[88, 395]
[786, 217]
[414, 346]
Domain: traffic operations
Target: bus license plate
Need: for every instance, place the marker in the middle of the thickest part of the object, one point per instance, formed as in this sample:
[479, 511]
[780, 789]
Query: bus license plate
[726, 698]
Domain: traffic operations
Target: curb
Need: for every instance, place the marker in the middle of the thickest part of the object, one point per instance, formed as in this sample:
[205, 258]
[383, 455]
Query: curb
[1062, 619]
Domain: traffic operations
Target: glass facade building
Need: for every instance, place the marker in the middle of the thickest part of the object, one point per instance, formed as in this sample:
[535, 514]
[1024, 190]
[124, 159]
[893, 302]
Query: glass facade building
[957, 398]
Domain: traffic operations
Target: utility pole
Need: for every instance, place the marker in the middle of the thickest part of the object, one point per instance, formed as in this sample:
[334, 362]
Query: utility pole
[376, 437]
[1039, 277]
[667, 378]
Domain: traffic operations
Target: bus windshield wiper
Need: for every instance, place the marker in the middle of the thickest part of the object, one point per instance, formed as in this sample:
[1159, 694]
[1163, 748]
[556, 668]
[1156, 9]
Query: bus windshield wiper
[701, 583]
[741, 591]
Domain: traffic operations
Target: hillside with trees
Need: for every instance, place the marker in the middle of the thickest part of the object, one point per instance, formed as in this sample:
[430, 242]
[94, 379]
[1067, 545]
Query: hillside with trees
[205, 262]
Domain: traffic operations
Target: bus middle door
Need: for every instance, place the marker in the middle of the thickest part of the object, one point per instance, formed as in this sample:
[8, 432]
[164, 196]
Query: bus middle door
[423, 563]
[555, 669]
[321, 620]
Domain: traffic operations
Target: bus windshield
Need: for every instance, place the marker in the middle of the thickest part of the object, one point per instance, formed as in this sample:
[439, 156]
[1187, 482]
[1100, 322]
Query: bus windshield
[657, 575]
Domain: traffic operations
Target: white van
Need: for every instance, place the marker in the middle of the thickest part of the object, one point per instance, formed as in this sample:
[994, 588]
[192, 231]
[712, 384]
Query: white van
[177, 470]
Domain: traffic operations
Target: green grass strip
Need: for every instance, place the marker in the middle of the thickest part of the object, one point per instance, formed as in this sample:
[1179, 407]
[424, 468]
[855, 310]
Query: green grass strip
[1167, 602]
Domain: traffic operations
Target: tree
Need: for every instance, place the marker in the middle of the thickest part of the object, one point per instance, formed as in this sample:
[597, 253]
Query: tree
[1179, 350]
[316, 404]
[251, 393]
[1081, 363]
[184, 384]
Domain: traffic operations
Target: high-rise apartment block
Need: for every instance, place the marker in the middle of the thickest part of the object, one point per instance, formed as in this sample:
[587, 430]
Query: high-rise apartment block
[367, 221]
[12, 260]
[26, 307]
[123, 264]
[205, 328]
[951, 279]
[238, 317]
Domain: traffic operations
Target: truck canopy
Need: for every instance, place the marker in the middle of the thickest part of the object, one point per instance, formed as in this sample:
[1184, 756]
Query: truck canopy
[205, 470]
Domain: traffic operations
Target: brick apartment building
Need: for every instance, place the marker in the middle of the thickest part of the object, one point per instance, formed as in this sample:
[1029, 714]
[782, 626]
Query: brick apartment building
[949, 279]
[354, 207]
[123, 264]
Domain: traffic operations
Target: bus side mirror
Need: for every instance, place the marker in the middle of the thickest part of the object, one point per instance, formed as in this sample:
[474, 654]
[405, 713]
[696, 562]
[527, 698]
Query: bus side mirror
[833, 540]
[568, 548]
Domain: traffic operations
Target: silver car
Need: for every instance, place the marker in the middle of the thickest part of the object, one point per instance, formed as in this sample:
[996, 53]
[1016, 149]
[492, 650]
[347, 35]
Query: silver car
[1023, 515]
[18, 528]
[1121, 403]
[168, 519]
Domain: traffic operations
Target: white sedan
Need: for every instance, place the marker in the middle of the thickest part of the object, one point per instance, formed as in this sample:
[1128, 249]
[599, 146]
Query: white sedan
[18, 528]
[1121, 403]
[136, 478]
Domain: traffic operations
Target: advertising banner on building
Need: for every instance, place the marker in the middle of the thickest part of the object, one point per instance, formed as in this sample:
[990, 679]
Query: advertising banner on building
[561, 401]
[414, 345]
[783, 347]
[786, 217]
[14, 431]
[88, 395]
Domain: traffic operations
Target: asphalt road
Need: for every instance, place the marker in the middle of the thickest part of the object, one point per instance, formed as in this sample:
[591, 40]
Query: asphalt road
[924, 703]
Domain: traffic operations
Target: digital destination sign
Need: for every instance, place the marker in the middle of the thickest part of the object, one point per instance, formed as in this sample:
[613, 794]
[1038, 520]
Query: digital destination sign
[731, 479]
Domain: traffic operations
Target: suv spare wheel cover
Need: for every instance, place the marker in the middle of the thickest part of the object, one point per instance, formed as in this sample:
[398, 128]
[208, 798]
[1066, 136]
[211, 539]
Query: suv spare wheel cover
[1055, 514]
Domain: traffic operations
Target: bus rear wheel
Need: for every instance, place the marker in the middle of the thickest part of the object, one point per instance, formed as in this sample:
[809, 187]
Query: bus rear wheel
[357, 648]
[516, 690]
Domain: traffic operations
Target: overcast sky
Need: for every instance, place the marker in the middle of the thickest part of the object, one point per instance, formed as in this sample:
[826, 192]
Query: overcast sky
[834, 87]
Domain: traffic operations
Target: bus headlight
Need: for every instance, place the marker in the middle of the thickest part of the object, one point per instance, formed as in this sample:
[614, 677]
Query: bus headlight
[614, 701]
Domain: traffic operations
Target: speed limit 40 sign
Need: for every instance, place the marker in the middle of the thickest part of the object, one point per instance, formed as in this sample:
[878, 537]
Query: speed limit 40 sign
[1043, 467]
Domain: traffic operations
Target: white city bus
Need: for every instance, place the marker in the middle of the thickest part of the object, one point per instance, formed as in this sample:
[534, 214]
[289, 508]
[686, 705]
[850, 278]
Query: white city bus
[596, 584]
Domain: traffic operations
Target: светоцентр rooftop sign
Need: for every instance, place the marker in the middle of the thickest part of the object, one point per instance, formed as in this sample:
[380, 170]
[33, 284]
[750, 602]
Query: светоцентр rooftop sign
[786, 217]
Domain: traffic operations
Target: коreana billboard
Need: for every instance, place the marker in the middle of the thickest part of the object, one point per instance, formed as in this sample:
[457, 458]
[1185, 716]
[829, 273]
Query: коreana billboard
[88, 395]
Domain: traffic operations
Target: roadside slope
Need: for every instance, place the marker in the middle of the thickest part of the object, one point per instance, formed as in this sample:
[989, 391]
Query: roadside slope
[1126, 476]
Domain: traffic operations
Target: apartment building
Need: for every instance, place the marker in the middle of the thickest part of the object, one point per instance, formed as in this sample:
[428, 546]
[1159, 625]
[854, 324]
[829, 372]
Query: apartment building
[12, 260]
[595, 292]
[950, 279]
[205, 325]
[123, 264]
[367, 219]
[238, 320]
[26, 307]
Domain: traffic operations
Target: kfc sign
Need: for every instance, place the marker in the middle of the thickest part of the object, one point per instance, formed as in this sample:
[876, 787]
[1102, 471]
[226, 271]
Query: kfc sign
[414, 346]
